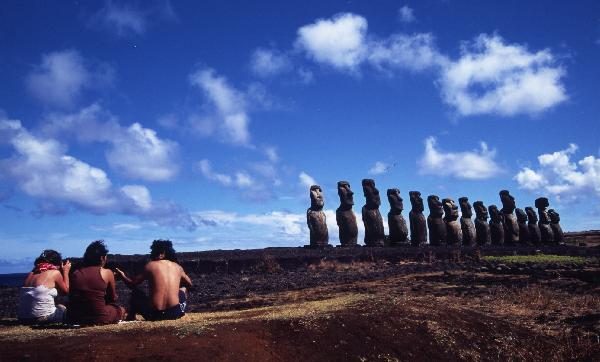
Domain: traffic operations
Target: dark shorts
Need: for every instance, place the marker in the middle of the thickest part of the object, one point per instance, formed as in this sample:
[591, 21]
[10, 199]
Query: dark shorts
[142, 304]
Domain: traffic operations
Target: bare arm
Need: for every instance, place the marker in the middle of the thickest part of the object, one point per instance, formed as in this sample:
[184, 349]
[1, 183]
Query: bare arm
[28, 279]
[185, 279]
[111, 291]
[131, 282]
[62, 280]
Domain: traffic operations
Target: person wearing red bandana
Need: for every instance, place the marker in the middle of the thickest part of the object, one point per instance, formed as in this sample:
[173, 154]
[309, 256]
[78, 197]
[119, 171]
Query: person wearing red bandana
[49, 276]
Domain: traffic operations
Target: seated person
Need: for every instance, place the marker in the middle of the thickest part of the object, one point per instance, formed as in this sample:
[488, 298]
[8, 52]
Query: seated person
[167, 298]
[92, 294]
[36, 298]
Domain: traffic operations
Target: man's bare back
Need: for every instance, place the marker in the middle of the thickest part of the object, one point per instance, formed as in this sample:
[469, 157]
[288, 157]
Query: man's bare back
[165, 278]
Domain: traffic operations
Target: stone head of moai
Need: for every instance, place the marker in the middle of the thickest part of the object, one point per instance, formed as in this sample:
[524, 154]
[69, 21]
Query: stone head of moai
[541, 204]
[316, 198]
[416, 201]
[465, 207]
[435, 206]
[495, 214]
[531, 215]
[373, 201]
[450, 209]
[554, 216]
[396, 202]
[521, 215]
[508, 202]
[481, 211]
[346, 195]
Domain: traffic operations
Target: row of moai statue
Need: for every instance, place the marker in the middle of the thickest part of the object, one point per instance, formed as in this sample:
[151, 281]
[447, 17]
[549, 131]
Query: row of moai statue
[507, 226]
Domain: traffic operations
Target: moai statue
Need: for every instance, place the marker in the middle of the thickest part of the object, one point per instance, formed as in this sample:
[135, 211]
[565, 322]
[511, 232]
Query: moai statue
[435, 223]
[453, 231]
[544, 220]
[344, 215]
[466, 224]
[511, 226]
[555, 225]
[535, 235]
[482, 227]
[397, 224]
[315, 218]
[374, 232]
[496, 225]
[524, 238]
[418, 226]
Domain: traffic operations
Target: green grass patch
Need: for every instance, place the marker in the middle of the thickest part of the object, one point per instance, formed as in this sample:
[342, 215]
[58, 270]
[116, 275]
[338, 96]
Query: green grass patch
[539, 258]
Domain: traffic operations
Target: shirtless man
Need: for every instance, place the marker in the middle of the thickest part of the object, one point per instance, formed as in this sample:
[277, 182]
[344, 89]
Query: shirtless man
[165, 277]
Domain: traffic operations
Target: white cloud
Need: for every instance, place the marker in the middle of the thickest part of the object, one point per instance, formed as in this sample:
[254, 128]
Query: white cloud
[271, 153]
[506, 79]
[230, 105]
[306, 179]
[140, 195]
[206, 169]
[490, 76]
[41, 168]
[126, 227]
[379, 168]
[168, 121]
[343, 43]
[275, 228]
[122, 19]
[126, 19]
[529, 179]
[339, 42]
[135, 152]
[474, 165]
[415, 52]
[138, 153]
[266, 63]
[406, 14]
[243, 179]
[240, 179]
[305, 75]
[62, 76]
[272, 224]
[561, 177]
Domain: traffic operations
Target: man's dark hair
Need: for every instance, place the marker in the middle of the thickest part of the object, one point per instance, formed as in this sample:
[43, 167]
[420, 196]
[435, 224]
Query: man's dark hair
[94, 252]
[165, 247]
[49, 256]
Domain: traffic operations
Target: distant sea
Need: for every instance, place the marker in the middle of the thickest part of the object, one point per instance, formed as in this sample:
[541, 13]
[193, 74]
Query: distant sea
[12, 280]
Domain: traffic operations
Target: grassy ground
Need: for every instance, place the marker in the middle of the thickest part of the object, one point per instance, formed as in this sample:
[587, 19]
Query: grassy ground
[538, 258]
[449, 315]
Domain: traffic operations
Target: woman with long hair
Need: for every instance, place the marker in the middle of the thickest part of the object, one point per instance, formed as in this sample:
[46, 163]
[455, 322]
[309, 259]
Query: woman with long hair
[50, 275]
[93, 295]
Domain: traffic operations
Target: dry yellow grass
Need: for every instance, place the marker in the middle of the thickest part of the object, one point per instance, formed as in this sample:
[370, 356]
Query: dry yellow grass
[196, 323]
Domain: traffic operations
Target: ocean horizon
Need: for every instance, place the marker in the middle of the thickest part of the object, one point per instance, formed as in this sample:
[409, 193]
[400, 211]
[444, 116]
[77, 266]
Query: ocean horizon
[12, 279]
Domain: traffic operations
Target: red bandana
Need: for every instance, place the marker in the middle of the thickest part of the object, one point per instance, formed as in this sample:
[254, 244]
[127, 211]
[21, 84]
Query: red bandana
[42, 267]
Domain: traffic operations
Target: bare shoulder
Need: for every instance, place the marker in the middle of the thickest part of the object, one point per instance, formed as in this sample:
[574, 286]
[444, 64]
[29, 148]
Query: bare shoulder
[178, 267]
[107, 274]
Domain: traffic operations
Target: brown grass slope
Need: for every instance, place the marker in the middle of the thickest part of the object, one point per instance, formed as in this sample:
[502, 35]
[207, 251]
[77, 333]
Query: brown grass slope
[473, 315]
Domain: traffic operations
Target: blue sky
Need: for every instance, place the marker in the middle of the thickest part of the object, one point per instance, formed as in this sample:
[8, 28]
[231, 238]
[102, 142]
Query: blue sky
[206, 122]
